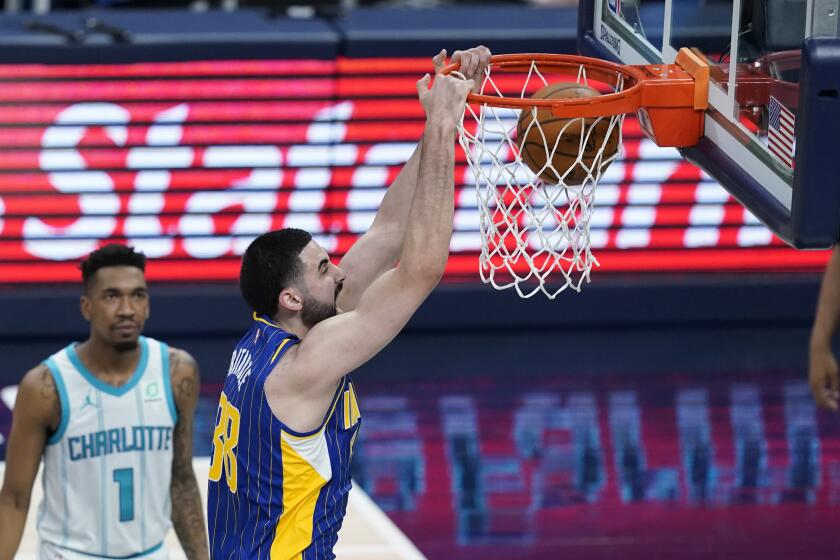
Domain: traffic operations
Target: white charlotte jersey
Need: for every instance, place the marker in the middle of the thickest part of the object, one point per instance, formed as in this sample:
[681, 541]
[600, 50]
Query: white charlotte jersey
[107, 468]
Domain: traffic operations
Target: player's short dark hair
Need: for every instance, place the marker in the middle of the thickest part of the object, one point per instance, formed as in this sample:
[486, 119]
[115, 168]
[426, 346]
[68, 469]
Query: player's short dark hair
[270, 264]
[110, 255]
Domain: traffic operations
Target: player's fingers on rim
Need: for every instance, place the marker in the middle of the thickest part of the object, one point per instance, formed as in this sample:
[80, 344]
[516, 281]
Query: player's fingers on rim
[464, 60]
[483, 56]
[473, 64]
[439, 60]
[457, 57]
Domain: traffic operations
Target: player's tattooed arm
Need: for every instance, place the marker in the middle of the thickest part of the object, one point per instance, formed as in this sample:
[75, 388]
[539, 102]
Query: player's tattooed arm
[49, 394]
[187, 511]
[37, 415]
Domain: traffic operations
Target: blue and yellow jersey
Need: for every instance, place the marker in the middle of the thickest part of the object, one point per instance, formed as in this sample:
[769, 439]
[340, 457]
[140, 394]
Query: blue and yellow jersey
[275, 493]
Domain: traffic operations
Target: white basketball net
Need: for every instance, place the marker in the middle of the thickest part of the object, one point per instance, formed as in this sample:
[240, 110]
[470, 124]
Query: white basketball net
[535, 234]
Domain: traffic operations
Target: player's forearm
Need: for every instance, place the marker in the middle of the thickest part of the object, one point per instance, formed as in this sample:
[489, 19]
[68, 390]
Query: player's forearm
[12, 522]
[429, 228]
[188, 516]
[380, 247]
[393, 212]
[828, 304]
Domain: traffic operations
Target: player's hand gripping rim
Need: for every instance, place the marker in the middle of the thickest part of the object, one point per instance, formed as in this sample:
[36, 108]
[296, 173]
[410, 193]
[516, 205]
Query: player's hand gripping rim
[474, 63]
[444, 101]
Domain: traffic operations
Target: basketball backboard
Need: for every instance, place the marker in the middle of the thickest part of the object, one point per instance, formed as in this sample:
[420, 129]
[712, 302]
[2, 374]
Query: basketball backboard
[770, 133]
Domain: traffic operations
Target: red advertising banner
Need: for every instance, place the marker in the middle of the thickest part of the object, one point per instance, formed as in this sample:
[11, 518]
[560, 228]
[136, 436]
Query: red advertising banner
[189, 161]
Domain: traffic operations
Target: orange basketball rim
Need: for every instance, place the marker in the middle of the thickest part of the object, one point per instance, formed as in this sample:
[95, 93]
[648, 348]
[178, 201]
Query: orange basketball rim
[669, 99]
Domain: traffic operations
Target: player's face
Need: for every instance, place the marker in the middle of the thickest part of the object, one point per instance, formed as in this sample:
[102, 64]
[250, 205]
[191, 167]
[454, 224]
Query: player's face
[117, 305]
[322, 282]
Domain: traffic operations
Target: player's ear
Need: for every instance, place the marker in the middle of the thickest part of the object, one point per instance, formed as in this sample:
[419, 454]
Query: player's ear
[84, 306]
[290, 300]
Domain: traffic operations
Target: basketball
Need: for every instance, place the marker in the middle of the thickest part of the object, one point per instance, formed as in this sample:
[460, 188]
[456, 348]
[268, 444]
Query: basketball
[532, 145]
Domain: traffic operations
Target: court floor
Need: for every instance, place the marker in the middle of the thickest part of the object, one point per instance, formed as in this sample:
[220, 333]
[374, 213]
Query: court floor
[367, 532]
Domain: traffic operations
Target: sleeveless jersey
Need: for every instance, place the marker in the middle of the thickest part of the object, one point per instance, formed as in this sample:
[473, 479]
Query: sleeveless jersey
[275, 493]
[108, 466]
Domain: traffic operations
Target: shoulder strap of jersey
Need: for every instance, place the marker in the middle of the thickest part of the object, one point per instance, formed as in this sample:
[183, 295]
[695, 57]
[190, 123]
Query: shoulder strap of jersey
[283, 347]
[167, 380]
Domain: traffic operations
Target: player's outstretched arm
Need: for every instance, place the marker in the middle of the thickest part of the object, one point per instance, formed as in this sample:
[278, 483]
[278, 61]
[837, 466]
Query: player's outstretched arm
[187, 511]
[379, 249]
[350, 339]
[822, 367]
[37, 412]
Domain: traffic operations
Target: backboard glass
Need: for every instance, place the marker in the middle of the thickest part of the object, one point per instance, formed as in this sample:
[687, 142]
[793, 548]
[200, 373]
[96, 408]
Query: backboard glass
[771, 128]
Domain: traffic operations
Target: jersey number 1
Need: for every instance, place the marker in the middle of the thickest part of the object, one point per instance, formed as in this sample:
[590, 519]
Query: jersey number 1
[125, 485]
[225, 438]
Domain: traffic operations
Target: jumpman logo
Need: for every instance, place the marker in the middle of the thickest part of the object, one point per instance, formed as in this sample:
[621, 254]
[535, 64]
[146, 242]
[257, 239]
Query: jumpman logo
[88, 401]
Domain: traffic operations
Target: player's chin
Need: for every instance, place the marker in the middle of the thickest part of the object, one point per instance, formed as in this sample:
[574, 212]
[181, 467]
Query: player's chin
[124, 340]
[125, 345]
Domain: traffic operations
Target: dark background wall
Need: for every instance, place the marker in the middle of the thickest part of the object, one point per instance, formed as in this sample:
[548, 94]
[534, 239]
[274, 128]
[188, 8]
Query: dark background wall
[647, 324]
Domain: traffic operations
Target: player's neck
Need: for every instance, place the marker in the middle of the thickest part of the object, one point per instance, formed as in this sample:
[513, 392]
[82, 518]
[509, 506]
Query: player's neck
[102, 359]
[291, 324]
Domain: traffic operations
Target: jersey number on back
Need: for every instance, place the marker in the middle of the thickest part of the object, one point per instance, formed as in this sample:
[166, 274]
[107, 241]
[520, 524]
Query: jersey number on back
[225, 438]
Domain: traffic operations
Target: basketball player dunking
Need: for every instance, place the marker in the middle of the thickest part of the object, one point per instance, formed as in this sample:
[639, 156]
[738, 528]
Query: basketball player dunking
[112, 418]
[288, 415]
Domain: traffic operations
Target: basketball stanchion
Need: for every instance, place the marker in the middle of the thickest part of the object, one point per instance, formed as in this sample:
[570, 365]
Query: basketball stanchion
[538, 137]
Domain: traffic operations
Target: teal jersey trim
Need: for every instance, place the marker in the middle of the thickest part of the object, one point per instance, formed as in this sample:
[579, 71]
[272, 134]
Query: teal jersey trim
[63, 399]
[167, 382]
[101, 385]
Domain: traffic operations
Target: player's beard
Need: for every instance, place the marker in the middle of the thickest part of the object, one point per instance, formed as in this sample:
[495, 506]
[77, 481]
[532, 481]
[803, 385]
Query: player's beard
[315, 311]
[125, 346]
